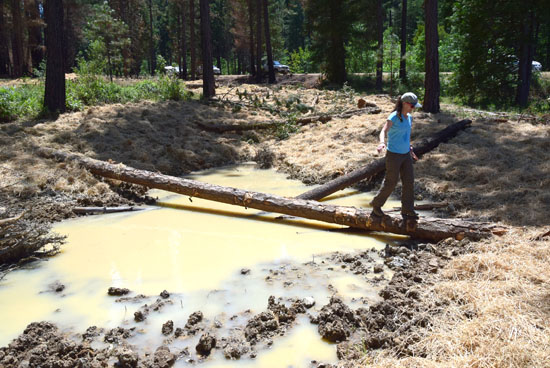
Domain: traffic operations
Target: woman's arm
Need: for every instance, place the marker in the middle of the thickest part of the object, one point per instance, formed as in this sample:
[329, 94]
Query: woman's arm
[383, 133]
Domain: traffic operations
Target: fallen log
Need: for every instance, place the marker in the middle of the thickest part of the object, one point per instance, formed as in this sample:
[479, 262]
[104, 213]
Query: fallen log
[222, 128]
[425, 229]
[379, 165]
[104, 210]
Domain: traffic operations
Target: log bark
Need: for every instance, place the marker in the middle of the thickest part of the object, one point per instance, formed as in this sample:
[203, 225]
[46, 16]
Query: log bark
[379, 165]
[424, 229]
[222, 128]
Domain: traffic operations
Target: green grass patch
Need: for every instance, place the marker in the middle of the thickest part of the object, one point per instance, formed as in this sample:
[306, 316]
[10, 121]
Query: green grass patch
[22, 100]
[26, 100]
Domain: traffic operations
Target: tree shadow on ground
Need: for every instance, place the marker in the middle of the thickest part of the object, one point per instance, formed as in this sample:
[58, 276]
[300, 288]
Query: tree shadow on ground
[159, 136]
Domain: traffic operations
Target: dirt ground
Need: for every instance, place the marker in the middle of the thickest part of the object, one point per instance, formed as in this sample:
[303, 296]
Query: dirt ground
[482, 304]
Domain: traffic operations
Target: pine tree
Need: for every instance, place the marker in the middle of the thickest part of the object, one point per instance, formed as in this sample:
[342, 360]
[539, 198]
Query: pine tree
[54, 91]
[17, 39]
[330, 23]
[208, 88]
[431, 82]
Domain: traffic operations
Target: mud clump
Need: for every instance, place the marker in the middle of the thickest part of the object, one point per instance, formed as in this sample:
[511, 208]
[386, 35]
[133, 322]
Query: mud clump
[127, 359]
[336, 321]
[163, 358]
[262, 326]
[115, 291]
[234, 348]
[193, 323]
[118, 334]
[167, 328]
[41, 345]
[206, 344]
[141, 314]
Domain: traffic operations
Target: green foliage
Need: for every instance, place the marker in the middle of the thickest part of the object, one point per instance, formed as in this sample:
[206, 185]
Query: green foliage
[107, 37]
[24, 100]
[172, 88]
[161, 64]
[300, 61]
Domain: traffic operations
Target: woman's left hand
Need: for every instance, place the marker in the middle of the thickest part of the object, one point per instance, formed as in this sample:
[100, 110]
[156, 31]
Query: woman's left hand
[414, 157]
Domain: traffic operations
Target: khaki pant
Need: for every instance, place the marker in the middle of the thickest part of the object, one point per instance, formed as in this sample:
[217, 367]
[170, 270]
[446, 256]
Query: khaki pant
[397, 165]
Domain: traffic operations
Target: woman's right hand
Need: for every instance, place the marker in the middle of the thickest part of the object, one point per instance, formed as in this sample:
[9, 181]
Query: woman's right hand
[380, 147]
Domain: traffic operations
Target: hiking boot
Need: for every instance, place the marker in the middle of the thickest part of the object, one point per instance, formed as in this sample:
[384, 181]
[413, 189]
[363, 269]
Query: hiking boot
[410, 215]
[377, 211]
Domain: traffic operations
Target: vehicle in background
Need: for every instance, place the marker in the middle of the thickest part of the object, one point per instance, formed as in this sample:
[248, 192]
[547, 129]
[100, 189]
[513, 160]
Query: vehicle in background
[215, 69]
[172, 69]
[536, 66]
[279, 68]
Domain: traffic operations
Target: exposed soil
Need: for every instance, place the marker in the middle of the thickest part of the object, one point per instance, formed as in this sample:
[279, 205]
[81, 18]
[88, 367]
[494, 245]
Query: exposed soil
[497, 170]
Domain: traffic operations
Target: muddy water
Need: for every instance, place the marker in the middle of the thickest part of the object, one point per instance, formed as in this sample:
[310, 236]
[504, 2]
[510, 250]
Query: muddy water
[211, 257]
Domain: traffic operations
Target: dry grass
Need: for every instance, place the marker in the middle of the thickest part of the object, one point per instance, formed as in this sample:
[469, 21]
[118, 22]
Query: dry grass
[496, 313]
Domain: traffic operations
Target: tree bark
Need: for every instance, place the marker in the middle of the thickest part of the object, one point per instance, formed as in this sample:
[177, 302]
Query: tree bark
[431, 82]
[208, 89]
[379, 165]
[183, 67]
[35, 34]
[54, 92]
[526, 51]
[192, 44]
[251, 40]
[4, 43]
[403, 61]
[425, 229]
[17, 39]
[380, 49]
[152, 55]
[269, 52]
[259, 70]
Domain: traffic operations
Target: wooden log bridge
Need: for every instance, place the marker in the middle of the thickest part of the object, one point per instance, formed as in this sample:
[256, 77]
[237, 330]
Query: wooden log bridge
[379, 165]
[424, 229]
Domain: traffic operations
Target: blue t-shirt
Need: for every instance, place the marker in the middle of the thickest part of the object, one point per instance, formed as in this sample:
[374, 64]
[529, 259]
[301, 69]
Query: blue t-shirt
[399, 135]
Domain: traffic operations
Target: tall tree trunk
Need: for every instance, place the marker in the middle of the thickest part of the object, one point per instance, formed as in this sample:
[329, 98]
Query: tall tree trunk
[4, 43]
[431, 82]
[183, 68]
[54, 93]
[403, 61]
[259, 52]
[192, 44]
[35, 35]
[380, 48]
[17, 39]
[337, 64]
[251, 45]
[152, 55]
[208, 89]
[526, 50]
[268, 43]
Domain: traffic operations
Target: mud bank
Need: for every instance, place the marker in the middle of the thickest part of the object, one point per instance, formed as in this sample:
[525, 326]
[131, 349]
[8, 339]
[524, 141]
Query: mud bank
[398, 319]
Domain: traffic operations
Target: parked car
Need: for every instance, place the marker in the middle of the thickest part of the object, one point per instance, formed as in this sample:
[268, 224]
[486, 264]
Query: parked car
[171, 69]
[536, 66]
[279, 68]
[216, 70]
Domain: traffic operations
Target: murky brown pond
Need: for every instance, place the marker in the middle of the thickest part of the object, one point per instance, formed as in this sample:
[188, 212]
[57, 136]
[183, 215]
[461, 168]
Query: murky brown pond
[195, 250]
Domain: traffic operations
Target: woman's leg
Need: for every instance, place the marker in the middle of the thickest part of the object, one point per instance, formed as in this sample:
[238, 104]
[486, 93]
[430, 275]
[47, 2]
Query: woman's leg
[393, 163]
[407, 192]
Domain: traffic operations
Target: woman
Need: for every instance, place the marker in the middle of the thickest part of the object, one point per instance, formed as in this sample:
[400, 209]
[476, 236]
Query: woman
[399, 157]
